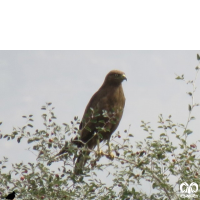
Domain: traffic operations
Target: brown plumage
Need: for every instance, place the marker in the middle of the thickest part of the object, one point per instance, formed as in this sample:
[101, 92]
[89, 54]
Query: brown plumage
[101, 117]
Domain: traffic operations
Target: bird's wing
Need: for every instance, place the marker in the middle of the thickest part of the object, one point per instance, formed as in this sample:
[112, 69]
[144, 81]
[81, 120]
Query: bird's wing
[92, 114]
[108, 99]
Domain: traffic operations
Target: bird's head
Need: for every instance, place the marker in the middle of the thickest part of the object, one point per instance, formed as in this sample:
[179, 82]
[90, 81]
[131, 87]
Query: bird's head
[115, 77]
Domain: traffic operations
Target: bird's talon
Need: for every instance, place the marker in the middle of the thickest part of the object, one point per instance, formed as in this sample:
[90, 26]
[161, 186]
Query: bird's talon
[99, 153]
[111, 156]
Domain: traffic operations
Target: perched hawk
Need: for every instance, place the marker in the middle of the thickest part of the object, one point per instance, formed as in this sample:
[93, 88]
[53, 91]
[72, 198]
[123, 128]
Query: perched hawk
[101, 117]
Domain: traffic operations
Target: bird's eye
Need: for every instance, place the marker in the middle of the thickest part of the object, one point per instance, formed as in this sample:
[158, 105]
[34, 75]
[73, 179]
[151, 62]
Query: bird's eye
[116, 75]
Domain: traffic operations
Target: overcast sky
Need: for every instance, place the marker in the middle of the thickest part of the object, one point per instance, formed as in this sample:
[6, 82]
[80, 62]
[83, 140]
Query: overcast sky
[68, 79]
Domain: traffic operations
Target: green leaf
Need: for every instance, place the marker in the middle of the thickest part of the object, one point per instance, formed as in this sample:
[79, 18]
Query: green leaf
[15, 133]
[99, 128]
[106, 129]
[19, 139]
[189, 107]
[12, 136]
[178, 78]
[33, 139]
[112, 122]
[65, 124]
[30, 140]
[197, 68]
[154, 185]
[192, 118]
[93, 120]
[100, 136]
[88, 129]
[191, 158]
[198, 57]
[35, 147]
[30, 125]
[188, 132]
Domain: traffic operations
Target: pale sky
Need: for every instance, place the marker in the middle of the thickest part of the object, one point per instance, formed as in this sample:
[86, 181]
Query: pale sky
[68, 79]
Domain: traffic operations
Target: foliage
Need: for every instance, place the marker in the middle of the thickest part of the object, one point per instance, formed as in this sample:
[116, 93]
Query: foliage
[162, 164]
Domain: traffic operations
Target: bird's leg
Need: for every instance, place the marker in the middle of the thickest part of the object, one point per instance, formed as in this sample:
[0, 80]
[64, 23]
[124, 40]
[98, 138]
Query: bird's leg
[110, 154]
[99, 152]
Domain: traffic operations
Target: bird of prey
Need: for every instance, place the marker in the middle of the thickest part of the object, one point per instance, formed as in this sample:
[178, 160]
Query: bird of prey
[101, 117]
[11, 196]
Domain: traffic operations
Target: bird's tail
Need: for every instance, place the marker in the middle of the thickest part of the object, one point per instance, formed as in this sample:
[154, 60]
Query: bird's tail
[67, 150]
[80, 162]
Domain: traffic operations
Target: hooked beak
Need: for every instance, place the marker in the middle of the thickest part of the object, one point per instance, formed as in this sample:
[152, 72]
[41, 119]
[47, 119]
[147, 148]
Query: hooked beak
[124, 77]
